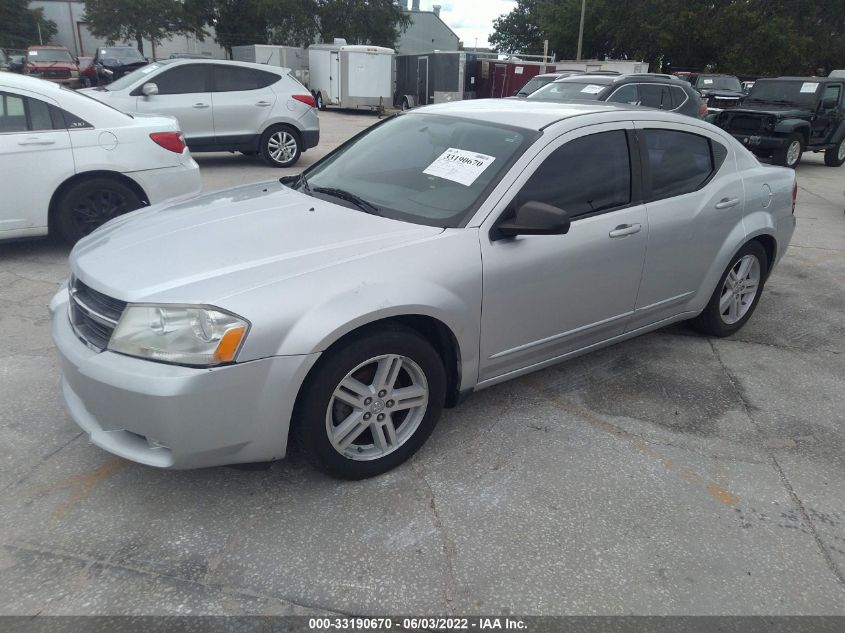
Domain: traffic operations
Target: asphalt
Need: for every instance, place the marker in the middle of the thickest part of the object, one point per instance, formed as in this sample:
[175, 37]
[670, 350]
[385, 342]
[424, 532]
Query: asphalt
[671, 474]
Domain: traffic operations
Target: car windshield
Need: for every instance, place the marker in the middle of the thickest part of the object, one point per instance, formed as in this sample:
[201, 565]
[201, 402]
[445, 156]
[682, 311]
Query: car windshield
[421, 168]
[566, 90]
[718, 83]
[122, 53]
[534, 84]
[131, 78]
[49, 55]
[797, 92]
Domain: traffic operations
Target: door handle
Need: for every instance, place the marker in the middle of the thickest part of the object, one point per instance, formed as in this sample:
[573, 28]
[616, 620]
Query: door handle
[625, 229]
[37, 141]
[263, 104]
[200, 106]
[727, 203]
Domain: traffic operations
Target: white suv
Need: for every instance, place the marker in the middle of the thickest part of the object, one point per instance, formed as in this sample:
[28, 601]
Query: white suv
[224, 105]
[69, 163]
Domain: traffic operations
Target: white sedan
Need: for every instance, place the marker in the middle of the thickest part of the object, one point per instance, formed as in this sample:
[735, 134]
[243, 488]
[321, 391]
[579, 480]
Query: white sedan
[69, 163]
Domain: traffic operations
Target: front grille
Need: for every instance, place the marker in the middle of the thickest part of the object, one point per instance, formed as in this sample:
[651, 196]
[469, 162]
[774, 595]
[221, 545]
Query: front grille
[724, 102]
[56, 73]
[744, 124]
[93, 315]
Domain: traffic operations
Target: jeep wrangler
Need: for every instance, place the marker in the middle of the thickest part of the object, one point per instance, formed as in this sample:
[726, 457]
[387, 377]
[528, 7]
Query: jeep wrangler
[784, 117]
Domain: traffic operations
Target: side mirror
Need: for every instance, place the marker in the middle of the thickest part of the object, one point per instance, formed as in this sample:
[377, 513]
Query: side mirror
[149, 89]
[534, 218]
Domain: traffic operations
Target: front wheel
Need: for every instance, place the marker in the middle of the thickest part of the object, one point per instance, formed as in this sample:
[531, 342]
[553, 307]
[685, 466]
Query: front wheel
[835, 156]
[280, 147]
[790, 154]
[736, 296]
[91, 203]
[370, 403]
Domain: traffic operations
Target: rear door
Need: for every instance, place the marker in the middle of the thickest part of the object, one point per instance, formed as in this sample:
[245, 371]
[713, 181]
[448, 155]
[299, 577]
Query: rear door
[184, 92]
[35, 158]
[694, 198]
[242, 99]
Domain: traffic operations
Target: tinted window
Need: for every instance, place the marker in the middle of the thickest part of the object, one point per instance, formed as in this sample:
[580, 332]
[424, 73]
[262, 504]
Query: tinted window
[12, 115]
[679, 97]
[626, 94]
[586, 175]
[679, 162]
[39, 115]
[831, 91]
[655, 96]
[182, 80]
[232, 78]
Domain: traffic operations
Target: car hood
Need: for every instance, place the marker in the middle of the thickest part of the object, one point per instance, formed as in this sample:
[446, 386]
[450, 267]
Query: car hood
[781, 112]
[706, 92]
[223, 243]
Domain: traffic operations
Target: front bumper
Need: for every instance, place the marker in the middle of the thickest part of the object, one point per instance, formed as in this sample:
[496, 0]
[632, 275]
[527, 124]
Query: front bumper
[177, 417]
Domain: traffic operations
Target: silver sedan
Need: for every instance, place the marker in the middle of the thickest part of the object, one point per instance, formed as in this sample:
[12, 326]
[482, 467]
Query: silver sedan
[441, 251]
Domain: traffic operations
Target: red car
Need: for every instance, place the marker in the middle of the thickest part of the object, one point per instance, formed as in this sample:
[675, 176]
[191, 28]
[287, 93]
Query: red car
[53, 63]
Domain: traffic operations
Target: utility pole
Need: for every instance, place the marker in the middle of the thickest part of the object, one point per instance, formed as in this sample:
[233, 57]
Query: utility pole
[581, 29]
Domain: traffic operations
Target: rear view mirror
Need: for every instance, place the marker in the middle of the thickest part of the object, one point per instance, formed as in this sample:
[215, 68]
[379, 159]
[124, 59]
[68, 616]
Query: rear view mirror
[149, 89]
[534, 218]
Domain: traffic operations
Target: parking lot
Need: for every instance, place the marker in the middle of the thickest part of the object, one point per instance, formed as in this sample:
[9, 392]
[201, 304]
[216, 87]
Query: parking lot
[671, 474]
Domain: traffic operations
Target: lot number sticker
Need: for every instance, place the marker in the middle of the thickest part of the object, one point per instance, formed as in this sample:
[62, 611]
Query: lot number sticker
[459, 165]
[592, 89]
[809, 86]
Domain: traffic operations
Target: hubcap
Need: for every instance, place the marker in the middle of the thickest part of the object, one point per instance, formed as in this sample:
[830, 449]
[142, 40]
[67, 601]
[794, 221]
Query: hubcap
[739, 290]
[282, 147]
[841, 154]
[793, 153]
[377, 407]
[97, 208]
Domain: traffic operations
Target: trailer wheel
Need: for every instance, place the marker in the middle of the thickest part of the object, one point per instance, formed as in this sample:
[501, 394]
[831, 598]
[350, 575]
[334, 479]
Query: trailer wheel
[405, 104]
[321, 105]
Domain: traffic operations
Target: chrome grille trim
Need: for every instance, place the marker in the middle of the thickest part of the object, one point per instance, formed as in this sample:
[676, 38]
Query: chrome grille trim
[93, 315]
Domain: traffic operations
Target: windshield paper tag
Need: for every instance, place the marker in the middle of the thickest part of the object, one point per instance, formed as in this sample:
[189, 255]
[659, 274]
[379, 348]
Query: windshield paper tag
[592, 89]
[708, 81]
[809, 86]
[459, 165]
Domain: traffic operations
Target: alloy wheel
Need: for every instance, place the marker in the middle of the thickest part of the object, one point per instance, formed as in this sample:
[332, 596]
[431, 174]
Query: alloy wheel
[377, 407]
[97, 208]
[841, 153]
[282, 146]
[740, 289]
[793, 153]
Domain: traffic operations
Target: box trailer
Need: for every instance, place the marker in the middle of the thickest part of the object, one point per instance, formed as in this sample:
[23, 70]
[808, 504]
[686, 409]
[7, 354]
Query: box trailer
[504, 78]
[291, 57]
[435, 77]
[351, 76]
[622, 66]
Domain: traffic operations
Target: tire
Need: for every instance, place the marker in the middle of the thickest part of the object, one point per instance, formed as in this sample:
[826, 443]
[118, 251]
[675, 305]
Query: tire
[364, 450]
[86, 83]
[835, 156]
[717, 321]
[785, 155]
[91, 203]
[405, 104]
[281, 146]
[318, 98]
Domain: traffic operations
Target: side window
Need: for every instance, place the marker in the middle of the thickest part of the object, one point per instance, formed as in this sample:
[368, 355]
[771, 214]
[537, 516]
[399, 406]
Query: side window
[831, 91]
[585, 175]
[679, 97]
[626, 94]
[234, 78]
[656, 96]
[679, 162]
[12, 114]
[183, 80]
[39, 115]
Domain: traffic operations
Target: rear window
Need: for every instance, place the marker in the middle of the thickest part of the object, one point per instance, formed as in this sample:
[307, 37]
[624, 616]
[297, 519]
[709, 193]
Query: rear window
[566, 90]
[234, 78]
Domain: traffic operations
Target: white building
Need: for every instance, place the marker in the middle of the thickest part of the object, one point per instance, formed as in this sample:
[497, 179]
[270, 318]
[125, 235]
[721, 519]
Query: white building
[73, 33]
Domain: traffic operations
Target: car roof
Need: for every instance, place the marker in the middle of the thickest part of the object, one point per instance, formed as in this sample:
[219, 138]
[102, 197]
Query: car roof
[813, 79]
[178, 61]
[48, 47]
[605, 80]
[520, 113]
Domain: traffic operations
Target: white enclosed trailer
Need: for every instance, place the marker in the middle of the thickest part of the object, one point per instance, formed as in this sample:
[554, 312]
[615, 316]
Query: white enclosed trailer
[351, 76]
[285, 56]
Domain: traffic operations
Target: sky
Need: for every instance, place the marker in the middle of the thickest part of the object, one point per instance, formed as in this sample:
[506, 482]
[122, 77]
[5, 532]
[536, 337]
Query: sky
[471, 19]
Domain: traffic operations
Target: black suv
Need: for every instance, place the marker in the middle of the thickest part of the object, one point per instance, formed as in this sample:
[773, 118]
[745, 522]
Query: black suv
[720, 92]
[781, 118]
[662, 92]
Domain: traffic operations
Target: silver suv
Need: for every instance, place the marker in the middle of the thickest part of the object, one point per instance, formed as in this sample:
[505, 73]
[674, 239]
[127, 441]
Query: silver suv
[223, 105]
[350, 304]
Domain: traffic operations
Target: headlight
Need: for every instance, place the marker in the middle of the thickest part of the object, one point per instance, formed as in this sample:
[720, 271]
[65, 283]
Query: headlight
[182, 335]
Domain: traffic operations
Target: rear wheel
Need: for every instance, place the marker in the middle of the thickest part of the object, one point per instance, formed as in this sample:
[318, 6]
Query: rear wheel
[736, 296]
[835, 156]
[370, 403]
[280, 146]
[91, 203]
[790, 154]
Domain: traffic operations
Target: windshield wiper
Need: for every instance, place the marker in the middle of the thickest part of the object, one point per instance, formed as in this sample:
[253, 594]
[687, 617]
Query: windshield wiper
[359, 202]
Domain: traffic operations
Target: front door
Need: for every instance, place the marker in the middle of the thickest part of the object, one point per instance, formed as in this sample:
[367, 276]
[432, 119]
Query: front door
[184, 92]
[827, 119]
[548, 295]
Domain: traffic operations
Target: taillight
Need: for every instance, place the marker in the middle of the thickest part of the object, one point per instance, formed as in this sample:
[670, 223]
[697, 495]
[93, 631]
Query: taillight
[702, 109]
[794, 194]
[173, 141]
[307, 100]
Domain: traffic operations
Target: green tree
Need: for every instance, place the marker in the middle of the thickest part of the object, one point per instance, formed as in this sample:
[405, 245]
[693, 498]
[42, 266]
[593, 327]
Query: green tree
[155, 20]
[19, 25]
[519, 31]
